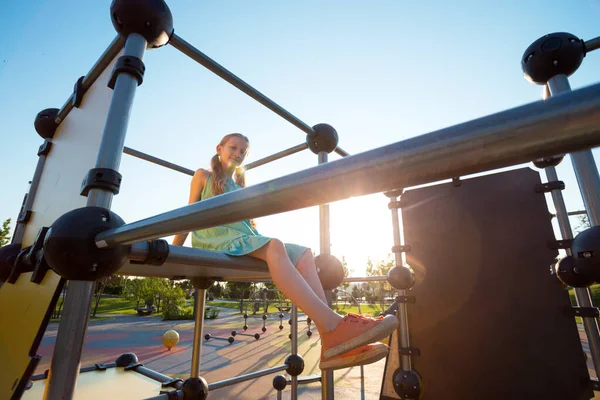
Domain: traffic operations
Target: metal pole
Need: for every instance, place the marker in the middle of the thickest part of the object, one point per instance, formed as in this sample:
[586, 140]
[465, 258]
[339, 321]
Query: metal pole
[294, 328]
[276, 156]
[592, 44]
[327, 387]
[246, 377]
[583, 162]
[341, 152]
[156, 160]
[403, 336]
[199, 302]
[64, 368]
[559, 125]
[582, 295]
[228, 76]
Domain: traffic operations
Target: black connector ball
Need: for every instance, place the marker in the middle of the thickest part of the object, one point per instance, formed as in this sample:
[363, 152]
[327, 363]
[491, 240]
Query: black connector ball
[45, 124]
[70, 247]
[126, 359]
[195, 389]
[150, 18]
[264, 329]
[279, 382]
[256, 336]
[8, 256]
[401, 277]
[295, 364]
[407, 384]
[325, 139]
[207, 336]
[230, 339]
[551, 55]
[548, 162]
[264, 317]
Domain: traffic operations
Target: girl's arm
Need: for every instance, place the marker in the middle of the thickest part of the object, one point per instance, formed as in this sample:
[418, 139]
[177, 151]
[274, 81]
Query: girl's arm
[196, 187]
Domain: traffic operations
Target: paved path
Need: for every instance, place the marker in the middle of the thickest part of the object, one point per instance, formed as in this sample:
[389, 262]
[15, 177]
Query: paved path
[107, 339]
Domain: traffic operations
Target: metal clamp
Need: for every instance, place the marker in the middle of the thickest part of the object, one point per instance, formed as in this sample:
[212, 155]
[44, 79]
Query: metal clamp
[409, 351]
[131, 65]
[583, 312]
[400, 249]
[549, 186]
[158, 251]
[560, 244]
[78, 93]
[101, 178]
[406, 299]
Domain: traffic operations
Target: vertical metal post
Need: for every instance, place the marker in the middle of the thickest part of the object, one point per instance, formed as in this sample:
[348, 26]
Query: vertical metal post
[294, 329]
[583, 162]
[589, 185]
[582, 295]
[403, 337]
[325, 248]
[199, 302]
[64, 368]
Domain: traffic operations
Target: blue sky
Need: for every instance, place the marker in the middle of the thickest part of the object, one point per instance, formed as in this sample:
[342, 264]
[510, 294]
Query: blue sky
[378, 71]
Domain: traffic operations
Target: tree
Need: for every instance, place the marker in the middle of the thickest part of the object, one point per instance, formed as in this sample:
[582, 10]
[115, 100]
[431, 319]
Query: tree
[379, 269]
[136, 290]
[347, 273]
[100, 285]
[357, 292]
[4, 232]
[238, 290]
[583, 222]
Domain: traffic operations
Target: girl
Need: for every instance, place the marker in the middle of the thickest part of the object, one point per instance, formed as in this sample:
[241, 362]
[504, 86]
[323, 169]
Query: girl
[345, 341]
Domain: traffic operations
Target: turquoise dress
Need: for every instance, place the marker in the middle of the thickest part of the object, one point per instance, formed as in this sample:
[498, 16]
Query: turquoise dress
[236, 239]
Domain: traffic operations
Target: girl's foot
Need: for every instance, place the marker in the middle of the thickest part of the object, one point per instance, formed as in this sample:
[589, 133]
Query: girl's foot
[354, 331]
[363, 355]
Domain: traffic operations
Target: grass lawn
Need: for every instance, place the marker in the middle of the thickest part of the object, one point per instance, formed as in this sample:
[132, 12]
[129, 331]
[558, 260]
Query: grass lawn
[91, 319]
[115, 305]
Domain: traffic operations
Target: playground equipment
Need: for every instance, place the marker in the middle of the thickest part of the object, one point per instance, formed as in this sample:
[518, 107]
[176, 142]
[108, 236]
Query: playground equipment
[170, 339]
[62, 236]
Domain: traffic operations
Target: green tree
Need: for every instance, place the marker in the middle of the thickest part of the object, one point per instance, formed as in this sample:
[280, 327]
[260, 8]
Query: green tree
[4, 232]
[136, 290]
[583, 222]
[347, 273]
[357, 292]
[380, 289]
[238, 290]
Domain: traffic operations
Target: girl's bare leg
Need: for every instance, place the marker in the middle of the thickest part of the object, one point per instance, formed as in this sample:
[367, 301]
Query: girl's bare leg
[292, 284]
[308, 270]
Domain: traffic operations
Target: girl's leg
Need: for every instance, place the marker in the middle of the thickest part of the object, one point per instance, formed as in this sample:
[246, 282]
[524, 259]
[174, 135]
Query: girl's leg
[292, 284]
[308, 270]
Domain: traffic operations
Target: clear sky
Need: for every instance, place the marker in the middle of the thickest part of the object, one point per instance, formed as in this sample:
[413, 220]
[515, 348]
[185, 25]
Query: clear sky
[378, 71]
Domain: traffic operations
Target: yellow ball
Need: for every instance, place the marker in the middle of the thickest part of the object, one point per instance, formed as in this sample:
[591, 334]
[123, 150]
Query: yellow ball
[170, 339]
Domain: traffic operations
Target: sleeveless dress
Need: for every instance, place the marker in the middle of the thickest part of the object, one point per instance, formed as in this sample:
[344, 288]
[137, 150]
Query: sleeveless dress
[239, 238]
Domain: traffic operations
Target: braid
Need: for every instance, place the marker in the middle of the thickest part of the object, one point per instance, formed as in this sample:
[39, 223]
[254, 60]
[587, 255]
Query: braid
[218, 175]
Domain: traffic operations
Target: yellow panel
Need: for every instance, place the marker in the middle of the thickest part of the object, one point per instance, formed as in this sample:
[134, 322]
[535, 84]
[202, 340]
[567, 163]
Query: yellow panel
[113, 383]
[74, 151]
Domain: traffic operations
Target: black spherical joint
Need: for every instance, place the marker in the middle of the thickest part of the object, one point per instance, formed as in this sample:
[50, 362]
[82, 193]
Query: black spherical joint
[401, 277]
[586, 253]
[407, 384]
[233, 333]
[8, 256]
[548, 161]
[309, 333]
[325, 139]
[263, 329]
[45, 124]
[279, 382]
[551, 55]
[245, 327]
[70, 249]
[201, 283]
[126, 359]
[330, 271]
[150, 18]
[568, 274]
[195, 389]
[295, 364]
[230, 339]
[256, 336]
[207, 336]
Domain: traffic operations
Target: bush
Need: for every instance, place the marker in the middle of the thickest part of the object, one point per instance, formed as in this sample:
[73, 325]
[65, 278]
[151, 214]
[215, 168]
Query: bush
[212, 313]
[173, 312]
[115, 290]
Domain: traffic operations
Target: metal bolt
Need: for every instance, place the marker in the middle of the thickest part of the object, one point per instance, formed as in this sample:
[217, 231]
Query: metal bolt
[104, 219]
[555, 62]
[94, 267]
[587, 254]
[529, 57]
[147, 24]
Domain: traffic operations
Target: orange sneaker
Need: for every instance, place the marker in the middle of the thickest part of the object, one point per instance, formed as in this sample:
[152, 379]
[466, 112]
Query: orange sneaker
[366, 354]
[355, 331]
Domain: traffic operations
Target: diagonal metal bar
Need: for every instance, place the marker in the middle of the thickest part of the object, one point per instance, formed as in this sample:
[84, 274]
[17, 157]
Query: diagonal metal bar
[228, 76]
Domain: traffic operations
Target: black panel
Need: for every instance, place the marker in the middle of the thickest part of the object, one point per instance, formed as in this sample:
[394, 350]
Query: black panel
[489, 318]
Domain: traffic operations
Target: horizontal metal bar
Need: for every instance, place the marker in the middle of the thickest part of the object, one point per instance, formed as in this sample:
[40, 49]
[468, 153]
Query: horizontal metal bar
[559, 125]
[157, 376]
[276, 156]
[341, 152]
[228, 76]
[191, 256]
[105, 59]
[247, 377]
[167, 396]
[156, 160]
[365, 278]
[592, 44]
[571, 213]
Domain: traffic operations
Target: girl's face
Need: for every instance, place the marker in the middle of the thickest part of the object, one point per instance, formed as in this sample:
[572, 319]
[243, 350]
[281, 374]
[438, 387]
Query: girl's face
[232, 153]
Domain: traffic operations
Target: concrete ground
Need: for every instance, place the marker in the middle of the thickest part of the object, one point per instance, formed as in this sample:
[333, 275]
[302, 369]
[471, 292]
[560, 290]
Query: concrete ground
[108, 339]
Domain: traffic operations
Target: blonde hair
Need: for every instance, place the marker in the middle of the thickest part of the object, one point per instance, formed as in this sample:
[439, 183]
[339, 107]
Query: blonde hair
[218, 174]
